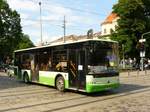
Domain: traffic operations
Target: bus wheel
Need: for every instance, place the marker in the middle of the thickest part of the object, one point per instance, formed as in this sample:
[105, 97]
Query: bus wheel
[60, 85]
[26, 78]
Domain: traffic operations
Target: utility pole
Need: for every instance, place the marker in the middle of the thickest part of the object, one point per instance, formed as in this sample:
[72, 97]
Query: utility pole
[64, 27]
[123, 56]
[41, 22]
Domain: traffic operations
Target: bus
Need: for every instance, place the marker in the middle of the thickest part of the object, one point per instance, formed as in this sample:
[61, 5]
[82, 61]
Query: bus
[89, 65]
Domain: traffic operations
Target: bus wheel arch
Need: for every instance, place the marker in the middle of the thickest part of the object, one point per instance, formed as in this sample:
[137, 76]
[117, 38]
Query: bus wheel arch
[60, 83]
[25, 77]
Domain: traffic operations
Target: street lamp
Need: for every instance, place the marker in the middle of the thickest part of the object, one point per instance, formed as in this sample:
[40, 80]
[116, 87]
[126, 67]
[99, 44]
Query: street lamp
[41, 22]
[123, 56]
[142, 53]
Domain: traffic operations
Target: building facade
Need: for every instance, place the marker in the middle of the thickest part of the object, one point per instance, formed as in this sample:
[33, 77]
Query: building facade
[109, 25]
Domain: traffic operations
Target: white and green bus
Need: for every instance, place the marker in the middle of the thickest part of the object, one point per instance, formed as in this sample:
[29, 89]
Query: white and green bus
[89, 65]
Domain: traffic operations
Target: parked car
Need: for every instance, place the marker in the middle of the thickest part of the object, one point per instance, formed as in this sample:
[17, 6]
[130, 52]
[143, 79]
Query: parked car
[3, 67]
[10, 71]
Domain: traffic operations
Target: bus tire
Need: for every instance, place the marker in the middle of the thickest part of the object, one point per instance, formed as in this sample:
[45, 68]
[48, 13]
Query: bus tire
[26, 78]
[60, 83]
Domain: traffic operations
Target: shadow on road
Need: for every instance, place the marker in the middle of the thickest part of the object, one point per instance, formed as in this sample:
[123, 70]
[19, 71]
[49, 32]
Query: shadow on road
[124, 88]
[10, 82]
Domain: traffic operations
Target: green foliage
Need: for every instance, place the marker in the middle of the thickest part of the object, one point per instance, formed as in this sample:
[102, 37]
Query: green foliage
[134, 21]
[25, 42]
[10, 31]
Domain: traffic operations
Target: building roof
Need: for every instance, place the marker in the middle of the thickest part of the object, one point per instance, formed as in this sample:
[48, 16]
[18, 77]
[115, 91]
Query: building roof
[74, 38]
[110, 18]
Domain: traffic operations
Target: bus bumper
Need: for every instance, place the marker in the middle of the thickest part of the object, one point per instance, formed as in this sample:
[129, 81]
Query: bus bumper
[100, 87]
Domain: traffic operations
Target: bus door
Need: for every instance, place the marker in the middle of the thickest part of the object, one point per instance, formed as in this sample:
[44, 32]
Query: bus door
[73, 62]
[34, 68]
[76, 68]
[81, 69]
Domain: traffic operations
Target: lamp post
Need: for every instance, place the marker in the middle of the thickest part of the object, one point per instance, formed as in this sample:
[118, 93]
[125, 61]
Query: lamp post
[64, 26]
[123, 56]
[142, 53]
[41, 22]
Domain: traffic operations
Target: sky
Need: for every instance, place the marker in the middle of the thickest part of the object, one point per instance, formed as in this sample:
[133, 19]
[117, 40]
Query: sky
[81, 15]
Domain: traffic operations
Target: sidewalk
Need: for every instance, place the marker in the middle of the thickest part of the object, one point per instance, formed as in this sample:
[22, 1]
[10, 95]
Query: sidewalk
[122, 74]
[3, 74]
[134, 73]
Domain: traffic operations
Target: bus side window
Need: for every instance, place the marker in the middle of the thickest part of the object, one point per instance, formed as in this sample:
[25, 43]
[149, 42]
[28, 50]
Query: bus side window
[62, 64]
[58, 67]
[49, 64]
[43, 67]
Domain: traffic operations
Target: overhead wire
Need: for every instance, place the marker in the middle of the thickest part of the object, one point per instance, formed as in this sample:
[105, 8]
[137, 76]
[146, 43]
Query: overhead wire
[74, 9]
[67, 7]
[83, 25]
[74, 27]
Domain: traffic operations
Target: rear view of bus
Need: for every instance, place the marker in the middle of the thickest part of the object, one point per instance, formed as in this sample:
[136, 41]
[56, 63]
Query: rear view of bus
[102, 62]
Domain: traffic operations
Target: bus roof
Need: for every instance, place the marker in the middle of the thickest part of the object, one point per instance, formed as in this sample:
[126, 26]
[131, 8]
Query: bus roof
[57, 44]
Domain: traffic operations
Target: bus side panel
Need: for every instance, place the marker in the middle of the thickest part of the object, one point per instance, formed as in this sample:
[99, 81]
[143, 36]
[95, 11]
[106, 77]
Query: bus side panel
[48, 78]
[101, 84]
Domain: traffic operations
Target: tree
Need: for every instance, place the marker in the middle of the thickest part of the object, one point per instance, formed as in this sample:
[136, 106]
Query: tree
[10, 29]
[25, 42]
[11, 35]
[134, 21]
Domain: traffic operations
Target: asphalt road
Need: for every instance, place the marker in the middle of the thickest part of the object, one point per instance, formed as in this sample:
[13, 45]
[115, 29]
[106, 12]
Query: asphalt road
[132, 96]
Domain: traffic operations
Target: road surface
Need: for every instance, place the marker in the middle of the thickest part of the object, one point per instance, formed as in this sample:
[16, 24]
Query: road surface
[132, 96]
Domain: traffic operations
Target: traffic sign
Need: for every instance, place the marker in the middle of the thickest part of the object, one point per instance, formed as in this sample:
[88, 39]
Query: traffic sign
[142, 54]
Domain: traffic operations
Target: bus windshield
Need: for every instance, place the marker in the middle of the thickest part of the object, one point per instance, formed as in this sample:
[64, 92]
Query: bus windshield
[103, 57]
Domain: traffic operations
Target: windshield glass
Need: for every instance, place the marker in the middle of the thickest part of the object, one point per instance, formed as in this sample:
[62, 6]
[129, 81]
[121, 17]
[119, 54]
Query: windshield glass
[103, 57]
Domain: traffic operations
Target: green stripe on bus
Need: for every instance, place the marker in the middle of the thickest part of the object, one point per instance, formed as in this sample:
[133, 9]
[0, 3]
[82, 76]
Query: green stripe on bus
[50, 81]
[47, 81]
[66, 84]
[97, 87]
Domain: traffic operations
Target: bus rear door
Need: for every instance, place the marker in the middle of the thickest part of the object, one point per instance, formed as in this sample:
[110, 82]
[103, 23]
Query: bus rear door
[81, 69]
[76, 68]
[34, 68]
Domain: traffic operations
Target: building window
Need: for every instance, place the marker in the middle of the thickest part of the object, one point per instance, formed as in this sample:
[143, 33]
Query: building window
[111, 31]
[105, 31]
